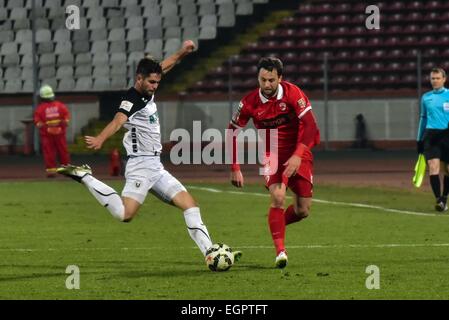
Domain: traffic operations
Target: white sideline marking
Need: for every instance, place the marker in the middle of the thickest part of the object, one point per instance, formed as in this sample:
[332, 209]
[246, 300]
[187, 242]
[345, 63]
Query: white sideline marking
[337, 203]
[312, 246]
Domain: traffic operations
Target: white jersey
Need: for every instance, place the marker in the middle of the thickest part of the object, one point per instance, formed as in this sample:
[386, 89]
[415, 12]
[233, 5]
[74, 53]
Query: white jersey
[144, 132]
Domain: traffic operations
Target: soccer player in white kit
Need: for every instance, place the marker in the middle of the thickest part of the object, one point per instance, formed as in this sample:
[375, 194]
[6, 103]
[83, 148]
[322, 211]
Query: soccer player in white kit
[144, 170]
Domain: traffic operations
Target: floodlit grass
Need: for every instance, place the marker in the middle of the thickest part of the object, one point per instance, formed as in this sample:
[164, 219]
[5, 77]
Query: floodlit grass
[47, 226]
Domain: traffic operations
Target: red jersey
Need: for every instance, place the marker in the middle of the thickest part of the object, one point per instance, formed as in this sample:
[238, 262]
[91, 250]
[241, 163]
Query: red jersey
[51, 117]
[290, 112]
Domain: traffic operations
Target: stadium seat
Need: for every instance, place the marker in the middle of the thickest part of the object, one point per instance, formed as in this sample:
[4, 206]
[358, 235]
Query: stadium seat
[13, 86]
[101, 84]
[208, 32]
[47, 59]
[65, 59]
[83, 58]
[117, 46]
[66, 84]
[83, 83]
[99, 34]
[26, 61]
[83, 70]
[47, 72]
[11, 60]
[6, 36]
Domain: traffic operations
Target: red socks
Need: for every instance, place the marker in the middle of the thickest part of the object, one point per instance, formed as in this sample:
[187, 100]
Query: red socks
[290, 216]
[277, 228]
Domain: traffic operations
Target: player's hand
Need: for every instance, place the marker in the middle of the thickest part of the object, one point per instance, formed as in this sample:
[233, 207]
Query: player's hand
[93, 142]
[188, 46]
[237, 178]
[292, 166]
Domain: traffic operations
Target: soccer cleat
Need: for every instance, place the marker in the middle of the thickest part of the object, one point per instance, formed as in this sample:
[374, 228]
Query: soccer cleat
[281, 260]
[75, 172]
[441, 204]
[237, 255]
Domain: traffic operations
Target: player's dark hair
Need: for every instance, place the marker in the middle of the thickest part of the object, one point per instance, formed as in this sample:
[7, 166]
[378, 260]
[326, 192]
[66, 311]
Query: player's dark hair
[439, 70]
[148, 66]
[271, 63]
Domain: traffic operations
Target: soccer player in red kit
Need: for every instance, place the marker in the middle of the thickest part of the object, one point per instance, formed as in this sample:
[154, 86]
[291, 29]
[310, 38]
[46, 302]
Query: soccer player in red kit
[52, 117]
[281, 105]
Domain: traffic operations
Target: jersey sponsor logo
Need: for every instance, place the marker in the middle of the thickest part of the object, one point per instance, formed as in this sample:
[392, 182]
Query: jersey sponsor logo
[282, 106]
[276, 122]
[154, 118]
[446, 106]
[302, 103]
[138, 183]
[126, 105]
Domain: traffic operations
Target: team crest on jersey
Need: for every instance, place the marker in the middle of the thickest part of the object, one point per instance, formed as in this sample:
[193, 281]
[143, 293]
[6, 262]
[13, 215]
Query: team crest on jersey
[126, 105]
[154, 118]
[138, 184]
[301, 103]
[282, 106]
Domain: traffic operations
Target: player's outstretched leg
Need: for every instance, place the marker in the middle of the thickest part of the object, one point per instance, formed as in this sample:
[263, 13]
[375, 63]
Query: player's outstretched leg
[104, 194]
[281, 260]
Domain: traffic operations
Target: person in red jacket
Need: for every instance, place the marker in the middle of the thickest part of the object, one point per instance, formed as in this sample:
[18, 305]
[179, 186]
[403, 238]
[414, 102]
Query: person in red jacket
[282, 106]
[52, 117]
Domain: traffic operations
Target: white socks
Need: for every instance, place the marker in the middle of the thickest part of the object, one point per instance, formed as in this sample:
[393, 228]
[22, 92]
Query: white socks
[197, 230]
[107, 196]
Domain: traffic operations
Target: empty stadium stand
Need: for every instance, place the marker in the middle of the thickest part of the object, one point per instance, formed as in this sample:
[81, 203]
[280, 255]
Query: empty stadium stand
[114, 35]
[358, 59]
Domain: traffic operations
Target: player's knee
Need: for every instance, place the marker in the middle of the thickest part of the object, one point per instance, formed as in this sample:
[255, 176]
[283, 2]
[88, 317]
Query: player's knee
[278, 200]
[303, 211]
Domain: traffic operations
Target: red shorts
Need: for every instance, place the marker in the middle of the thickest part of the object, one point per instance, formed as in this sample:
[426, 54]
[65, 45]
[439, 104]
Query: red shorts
[301, 183]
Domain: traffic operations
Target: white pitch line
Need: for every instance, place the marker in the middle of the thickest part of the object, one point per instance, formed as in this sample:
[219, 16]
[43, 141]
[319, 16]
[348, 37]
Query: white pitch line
[311, 246]
[338, 203]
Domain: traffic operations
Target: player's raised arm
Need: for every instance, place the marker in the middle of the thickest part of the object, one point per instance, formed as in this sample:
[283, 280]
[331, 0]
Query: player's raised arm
[187, 47]
[113, 126]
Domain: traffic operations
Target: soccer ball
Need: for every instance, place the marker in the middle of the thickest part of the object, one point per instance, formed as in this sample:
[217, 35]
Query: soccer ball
[219, 257]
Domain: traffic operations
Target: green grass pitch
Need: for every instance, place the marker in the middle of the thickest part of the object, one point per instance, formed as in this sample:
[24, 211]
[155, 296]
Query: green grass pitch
[47, 226]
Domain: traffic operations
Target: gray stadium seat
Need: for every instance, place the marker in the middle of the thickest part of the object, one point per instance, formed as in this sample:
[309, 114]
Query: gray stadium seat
[66, 84]
[52, 3]
[100, 71]
[226, 20]
[47, 59]
[99, 23]
[114, 12]
[208, 20]
[134, 22]
[95, 12]
[28, 85]
[226, 9]
[153, 33]
[149, 3]
[116, 34]
[110, 3]
[81, 46]
[45, 47]
[83, 70]
[40, 12]
[65, 59]
[152, 11]
[118, 70]
[244, 8]
[189, 21]
[22, 24]
[83, 58]
[52, 82]
[172, 32]
[205, 1]
[153, 22]
[100, 59]
[206, 8]
[11, 60]
[42, 23]
[27, 73]
[187, 8]
[116, 22]
[172, 45]
[154, 47]
[99, 34]
[58, 23]
[117, 58]
[6, 36]
[83, 84]
[64, 72]
[63, 47]
[223, 1]
[169, 9]
[27, 60]
[61, 35]
[56, 12]
[101, 84]
[136, 45]
[18, 13]
[13, 86]
[99, 46]
[131, 2]
[191, 32]
[80, 35]
[77, 3]
[135, 34]
[25, 48]
[117, 46]
[91, 3]
[208, 32]
[171, 21]
[43, 35]
[47, 72]
[118, 83]
[134, 58]
[132, 11]
[8, 48]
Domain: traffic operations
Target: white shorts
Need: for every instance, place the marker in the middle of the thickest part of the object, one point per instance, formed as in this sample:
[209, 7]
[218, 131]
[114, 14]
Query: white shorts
[146, 173]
